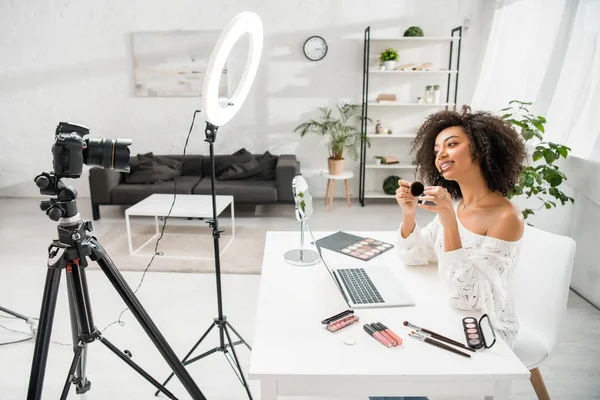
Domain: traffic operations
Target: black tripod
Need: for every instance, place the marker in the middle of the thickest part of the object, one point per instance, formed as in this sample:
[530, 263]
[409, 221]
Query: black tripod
[69, 252]
[221, 321]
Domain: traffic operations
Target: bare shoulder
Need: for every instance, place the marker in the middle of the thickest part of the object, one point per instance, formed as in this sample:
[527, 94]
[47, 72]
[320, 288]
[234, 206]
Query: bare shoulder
[509, 223]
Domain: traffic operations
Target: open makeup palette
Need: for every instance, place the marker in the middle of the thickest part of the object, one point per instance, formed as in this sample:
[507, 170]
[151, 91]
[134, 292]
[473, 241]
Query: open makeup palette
[354, 246]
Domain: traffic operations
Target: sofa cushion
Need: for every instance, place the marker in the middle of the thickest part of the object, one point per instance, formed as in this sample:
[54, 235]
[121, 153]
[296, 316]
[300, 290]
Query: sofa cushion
[150, 173]
[244, 191]
[223, 162]
[268, 164]
[132, 193]
[238, 171]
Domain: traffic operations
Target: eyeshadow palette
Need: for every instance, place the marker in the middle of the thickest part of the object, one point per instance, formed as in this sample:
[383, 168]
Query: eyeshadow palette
[354, 246]
[476, 339]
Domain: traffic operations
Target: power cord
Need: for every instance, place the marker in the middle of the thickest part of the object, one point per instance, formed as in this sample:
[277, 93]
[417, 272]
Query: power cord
[32, 334]
[156, 252]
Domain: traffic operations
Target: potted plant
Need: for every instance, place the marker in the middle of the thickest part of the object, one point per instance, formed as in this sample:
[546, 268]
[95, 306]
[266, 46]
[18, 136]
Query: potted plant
[343, 135]
[414, 31]
[544, 178]
[436, 94]
[378, 160]
[428, 94]
[389, 58]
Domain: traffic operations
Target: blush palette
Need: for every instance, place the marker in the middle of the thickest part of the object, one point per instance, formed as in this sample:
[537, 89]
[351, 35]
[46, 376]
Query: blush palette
[354, 246]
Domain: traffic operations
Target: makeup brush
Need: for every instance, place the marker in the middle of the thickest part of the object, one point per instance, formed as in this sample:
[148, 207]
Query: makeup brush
[437, 336]
[417, 188]
[435, 343]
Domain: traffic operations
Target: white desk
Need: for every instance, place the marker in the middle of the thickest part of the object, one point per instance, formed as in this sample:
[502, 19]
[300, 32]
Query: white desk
[293, 355]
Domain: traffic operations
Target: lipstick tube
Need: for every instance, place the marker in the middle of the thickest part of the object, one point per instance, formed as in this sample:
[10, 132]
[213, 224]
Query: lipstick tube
[378, 336]
[391, 333]
[342, 323]
[385, 334]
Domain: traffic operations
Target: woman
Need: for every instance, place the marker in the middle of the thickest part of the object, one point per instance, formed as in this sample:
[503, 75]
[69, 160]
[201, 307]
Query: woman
[474, 159]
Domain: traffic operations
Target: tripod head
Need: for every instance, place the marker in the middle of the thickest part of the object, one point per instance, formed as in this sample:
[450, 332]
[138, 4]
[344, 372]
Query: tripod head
[63, 207]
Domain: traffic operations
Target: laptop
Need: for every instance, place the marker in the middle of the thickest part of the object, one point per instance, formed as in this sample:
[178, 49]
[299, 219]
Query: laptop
[371, 286]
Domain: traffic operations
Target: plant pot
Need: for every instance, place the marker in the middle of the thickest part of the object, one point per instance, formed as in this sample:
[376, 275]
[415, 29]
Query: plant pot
[436, 96]
[377, 161]
[336, 167]
[389, 65]
[428, 96]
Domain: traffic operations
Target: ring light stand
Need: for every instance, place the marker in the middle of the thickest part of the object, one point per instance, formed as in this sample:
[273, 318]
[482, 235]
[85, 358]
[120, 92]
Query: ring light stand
[217, 116]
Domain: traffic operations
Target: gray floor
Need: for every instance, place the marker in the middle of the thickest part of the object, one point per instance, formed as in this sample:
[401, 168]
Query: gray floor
[183, 305]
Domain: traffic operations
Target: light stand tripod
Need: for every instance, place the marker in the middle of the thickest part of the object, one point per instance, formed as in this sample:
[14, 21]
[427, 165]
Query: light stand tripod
[69, 252]
[221, 321]
[14, 314]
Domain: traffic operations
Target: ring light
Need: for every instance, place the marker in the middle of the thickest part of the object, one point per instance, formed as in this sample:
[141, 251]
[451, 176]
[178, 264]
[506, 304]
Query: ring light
[245, 22]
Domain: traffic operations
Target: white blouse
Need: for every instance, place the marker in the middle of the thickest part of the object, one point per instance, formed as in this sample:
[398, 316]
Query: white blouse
[478, 275]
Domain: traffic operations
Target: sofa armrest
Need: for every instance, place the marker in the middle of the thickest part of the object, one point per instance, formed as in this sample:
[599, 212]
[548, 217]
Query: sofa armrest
[285, 171]
[102, 182]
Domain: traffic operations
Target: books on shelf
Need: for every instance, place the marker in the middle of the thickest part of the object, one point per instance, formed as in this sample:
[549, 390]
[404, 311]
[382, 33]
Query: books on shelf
[388, 160]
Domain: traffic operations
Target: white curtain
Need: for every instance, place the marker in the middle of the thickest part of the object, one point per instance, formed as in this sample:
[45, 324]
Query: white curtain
[547, 52]
[574, 112]
[519, 48]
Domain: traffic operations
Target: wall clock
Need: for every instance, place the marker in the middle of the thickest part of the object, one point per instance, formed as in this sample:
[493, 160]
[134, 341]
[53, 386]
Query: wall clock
[315, 48]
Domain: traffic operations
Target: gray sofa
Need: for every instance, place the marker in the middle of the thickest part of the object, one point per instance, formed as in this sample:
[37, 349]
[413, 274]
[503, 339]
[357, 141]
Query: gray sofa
[108, 187]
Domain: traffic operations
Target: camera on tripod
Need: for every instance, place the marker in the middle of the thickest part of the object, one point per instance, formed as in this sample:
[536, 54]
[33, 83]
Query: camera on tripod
[71, 150]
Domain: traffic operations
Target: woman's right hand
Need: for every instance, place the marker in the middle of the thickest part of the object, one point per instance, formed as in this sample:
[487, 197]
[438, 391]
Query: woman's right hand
[405, 199]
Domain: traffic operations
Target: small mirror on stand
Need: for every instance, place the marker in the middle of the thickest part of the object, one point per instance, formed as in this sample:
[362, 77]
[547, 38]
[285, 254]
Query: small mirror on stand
[303, 200]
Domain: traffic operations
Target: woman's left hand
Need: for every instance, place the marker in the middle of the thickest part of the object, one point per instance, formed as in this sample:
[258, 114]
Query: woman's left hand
[443, 204]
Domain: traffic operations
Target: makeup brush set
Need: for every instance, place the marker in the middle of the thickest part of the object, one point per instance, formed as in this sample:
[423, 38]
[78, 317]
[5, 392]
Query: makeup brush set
[473, 334]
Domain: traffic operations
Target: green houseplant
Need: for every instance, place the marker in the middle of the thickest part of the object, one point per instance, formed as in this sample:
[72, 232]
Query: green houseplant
[344, 136]
[545, 177]
[389, 58]
[414, 31]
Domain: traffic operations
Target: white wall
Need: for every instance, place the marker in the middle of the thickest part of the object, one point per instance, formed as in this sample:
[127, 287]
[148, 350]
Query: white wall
[71, 61]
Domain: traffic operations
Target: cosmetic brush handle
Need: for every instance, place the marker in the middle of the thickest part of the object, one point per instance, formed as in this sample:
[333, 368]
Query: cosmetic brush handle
[445, 339]
[446, 347]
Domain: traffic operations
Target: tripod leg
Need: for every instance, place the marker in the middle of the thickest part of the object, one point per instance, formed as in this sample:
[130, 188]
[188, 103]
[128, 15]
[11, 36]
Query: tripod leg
[237, 363]
[238, 335]
[40, 353]
[136, 367]
[117, 280]
[189, 354]
[80, 378]
[79, 347]
[14, 314]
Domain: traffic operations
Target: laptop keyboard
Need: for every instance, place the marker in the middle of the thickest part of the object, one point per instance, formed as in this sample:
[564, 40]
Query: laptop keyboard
[359, 286]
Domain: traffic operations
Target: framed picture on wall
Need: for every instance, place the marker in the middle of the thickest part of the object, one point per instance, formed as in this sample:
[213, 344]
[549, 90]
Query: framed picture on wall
[173, 63]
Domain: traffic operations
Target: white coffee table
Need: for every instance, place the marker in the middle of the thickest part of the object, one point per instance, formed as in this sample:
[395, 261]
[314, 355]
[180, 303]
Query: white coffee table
[186, 206]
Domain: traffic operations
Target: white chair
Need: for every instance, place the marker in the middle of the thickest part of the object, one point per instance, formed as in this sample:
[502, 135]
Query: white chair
[540, 287]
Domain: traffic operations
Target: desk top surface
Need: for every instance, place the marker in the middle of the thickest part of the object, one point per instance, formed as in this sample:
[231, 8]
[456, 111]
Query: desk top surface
[289, 339]
[186, 205]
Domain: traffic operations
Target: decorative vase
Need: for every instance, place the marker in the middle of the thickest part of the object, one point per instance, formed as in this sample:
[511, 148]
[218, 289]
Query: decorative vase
[428, 96]
[436, 96]
[389, 65]
[336, 167]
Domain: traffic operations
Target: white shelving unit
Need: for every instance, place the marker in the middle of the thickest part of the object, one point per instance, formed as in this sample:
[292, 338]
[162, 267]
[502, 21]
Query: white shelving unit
[390, 166]
[398, 104]
[410, 72]
[404, 113]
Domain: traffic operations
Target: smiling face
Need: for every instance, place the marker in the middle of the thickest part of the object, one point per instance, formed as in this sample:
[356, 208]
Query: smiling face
[453, 153]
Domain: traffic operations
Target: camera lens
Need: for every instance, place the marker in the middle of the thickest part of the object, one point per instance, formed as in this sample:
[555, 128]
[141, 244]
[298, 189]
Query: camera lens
[108, 153]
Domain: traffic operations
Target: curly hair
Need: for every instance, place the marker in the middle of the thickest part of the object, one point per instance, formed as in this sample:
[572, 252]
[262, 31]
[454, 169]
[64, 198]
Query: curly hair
[499, 149]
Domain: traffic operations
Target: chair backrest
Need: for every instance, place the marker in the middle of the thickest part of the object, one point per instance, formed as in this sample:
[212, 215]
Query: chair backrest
[540, 283]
